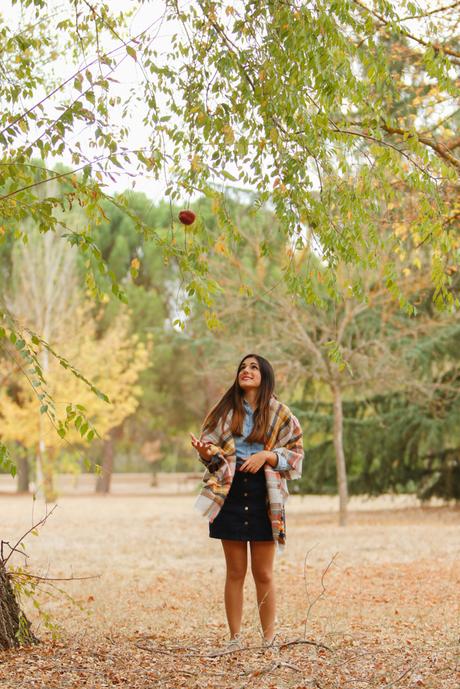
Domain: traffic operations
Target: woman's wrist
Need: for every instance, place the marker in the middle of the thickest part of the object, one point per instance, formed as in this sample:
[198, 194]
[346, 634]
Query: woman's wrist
[207, 457]
[271, 458]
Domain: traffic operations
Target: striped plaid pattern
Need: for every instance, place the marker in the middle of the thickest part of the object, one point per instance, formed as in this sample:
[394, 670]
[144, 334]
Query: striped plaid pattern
[284, 434]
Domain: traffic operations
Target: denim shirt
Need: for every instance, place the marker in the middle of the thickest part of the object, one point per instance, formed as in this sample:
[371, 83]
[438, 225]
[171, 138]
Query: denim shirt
[245, 449]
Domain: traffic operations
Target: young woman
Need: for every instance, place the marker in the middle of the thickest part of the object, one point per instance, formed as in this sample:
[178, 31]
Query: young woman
[250, 444]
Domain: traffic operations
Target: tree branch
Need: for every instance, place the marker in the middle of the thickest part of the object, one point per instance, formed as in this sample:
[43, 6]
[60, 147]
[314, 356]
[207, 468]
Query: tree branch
[437, 47]
[443, 150]
[35, 526]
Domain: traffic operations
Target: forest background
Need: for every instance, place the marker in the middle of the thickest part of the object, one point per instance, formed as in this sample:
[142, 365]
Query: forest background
[335, 255]
[399, 389]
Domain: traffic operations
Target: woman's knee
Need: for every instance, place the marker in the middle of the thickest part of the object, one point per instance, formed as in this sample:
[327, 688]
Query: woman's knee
[236, 572]
[262, 575]
[236, 560]
[262, 559]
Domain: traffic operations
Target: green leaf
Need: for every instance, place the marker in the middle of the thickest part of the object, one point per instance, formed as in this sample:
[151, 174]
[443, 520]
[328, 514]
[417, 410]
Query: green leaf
[131, 52]
[229, 176]
[101, 395]
[5, 460]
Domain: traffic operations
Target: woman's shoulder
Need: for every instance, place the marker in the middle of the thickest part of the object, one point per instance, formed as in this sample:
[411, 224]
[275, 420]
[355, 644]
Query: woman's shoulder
[278, 407]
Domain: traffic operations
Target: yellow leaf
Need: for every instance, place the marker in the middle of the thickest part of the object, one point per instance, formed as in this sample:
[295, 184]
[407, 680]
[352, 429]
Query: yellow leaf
[215, 204]
[274, 135]
[220, 246]
[229, 134]
[196, 163]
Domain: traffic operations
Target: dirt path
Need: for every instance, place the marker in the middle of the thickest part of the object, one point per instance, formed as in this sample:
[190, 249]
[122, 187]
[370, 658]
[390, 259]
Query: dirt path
[389, 615]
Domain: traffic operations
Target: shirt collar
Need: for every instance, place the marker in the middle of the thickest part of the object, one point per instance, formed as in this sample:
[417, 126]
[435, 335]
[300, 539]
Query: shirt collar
[247, 406]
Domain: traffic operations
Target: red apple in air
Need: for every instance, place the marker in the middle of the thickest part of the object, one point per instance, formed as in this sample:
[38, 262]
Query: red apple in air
[187, 217]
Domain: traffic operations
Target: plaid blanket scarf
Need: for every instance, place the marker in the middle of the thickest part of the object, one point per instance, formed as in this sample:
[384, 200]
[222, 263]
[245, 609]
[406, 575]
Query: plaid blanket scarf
[285, 434]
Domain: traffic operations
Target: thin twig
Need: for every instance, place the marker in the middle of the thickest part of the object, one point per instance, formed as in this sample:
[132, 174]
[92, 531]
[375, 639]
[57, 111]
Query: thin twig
[435, 46]
[72, 77]
[398, 679]
[39, 578]
[274, 666]
[211, 654]
[305, 641]
[35, 526]
[323, 588]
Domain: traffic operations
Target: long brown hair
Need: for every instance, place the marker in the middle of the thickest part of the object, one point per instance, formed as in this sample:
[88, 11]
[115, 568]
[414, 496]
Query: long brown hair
[233, 400]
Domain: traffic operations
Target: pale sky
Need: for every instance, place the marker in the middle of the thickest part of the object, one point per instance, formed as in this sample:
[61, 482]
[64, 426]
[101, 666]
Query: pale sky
[128, 74]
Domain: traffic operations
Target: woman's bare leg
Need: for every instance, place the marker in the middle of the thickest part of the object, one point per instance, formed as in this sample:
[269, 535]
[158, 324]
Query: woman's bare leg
[236, 558]
[262, 558]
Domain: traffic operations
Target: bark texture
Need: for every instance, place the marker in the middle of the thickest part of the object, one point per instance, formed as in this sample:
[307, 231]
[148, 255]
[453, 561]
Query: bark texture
[14, 626]
[104, 479]
[23, 472]
[340, 455]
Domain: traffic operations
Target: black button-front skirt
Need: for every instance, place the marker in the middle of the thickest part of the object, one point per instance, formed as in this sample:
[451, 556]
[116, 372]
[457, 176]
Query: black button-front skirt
[244, 514]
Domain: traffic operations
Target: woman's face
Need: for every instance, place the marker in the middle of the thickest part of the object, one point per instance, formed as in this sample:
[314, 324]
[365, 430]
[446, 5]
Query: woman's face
[249, 375]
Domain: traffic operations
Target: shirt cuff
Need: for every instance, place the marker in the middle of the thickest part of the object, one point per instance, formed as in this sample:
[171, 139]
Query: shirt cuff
[282, 464]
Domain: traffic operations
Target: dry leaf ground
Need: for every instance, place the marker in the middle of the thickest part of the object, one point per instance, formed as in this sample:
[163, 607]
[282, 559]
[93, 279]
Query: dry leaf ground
[389, 617]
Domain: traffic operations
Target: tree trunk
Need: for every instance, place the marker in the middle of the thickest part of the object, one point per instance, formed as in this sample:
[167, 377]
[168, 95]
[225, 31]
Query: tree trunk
[14, 625]
[339, 454]
[105, 477]
[155, 469]
[47, 463]
[22, 464]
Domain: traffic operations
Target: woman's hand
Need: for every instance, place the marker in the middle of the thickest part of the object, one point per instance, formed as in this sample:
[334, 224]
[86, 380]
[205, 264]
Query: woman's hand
[254, 462]
[203, 449]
